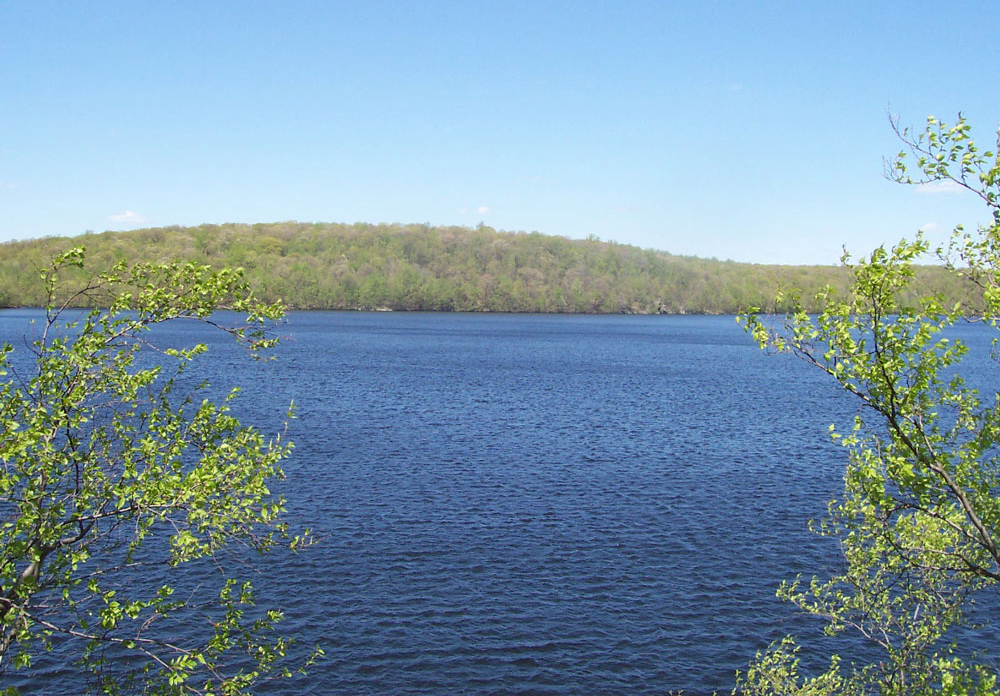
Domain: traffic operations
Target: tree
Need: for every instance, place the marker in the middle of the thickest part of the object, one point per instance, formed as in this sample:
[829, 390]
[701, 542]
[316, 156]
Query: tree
[114, 475]
[919, 520]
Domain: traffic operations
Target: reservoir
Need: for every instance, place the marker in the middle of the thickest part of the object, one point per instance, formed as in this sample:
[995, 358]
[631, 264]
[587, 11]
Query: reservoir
[535, 504]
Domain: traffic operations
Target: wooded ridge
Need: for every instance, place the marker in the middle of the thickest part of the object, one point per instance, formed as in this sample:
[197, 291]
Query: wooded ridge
[364, 266]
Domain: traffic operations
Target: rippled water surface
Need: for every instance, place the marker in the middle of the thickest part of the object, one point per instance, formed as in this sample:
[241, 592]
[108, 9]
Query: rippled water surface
[539, 504]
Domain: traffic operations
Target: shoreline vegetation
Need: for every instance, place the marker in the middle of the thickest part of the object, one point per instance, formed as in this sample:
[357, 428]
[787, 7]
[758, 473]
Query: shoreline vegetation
[416, 267]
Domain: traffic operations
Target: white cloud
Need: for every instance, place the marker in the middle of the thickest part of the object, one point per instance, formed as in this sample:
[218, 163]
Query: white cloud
[930, 227]
[7, 185]
[946, 186]
[129, 217]
[479, 210]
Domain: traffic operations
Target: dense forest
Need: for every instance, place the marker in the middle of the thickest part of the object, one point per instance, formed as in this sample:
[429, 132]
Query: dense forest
[420, 267]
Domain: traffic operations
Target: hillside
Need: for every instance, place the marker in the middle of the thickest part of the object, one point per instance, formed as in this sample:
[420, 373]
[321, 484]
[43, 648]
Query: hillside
[418, 267]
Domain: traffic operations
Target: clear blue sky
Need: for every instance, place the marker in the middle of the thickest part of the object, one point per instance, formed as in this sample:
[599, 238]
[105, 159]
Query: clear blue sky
[745, 130]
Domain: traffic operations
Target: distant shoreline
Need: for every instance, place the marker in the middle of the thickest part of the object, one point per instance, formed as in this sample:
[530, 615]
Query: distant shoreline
[365, 267]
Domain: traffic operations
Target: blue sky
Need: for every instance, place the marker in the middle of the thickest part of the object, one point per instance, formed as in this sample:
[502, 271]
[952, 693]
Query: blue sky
[743, 130]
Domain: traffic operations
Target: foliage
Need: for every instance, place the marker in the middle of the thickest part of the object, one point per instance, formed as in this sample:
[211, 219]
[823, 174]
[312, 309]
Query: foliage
[919, 520]
[112, 479]
[419, 267]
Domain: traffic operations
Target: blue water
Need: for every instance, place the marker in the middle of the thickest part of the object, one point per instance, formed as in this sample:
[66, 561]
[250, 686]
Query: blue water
[538, 504]
[550, 504]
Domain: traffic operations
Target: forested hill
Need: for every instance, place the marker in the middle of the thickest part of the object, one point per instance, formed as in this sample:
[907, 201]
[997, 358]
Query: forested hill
[418, 267]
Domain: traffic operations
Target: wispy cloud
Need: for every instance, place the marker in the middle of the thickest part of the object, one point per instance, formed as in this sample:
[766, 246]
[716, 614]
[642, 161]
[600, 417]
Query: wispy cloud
[7, 185]
[930, 227]
[946, 186]
[479, 210]
[129, 217]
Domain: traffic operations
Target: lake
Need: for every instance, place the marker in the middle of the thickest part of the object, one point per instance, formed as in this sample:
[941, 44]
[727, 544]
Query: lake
[538, 504]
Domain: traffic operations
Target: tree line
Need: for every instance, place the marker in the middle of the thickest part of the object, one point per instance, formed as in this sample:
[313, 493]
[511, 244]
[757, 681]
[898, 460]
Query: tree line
[416, 267]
